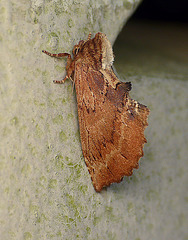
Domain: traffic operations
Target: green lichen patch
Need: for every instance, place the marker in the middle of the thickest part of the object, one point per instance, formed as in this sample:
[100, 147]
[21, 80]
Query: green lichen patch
[26, 169]
[6, 131]
[59, 165]
[69, 88]
[42, 182]
[128, 4]
[38, 131]
[77, 136]
[130, 207]
[41, 219]
[27, 236]
[62, 136]
[58, 119]
[35, 20]
[60, 68]
[152, 195]
[52, 183]
[70, 23]
[14, 121]
[70, 116]
[59, 234]
[33, 209]
[83, 188]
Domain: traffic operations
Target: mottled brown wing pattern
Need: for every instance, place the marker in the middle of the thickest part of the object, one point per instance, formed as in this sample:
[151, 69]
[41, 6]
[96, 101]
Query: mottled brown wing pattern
[111, 126]
[111, 123]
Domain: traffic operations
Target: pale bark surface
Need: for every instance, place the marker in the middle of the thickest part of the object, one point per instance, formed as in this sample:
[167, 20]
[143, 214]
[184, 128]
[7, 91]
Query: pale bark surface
[45, 188]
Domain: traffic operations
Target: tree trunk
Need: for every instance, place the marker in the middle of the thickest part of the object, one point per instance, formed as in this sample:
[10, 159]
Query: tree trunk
[46, 190]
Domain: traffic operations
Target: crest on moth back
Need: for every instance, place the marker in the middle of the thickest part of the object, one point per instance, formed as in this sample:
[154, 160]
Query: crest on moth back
[111, 123]
[95, 51]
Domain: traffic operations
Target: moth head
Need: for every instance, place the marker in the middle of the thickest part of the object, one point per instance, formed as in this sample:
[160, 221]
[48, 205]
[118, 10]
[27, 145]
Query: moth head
[77, 48]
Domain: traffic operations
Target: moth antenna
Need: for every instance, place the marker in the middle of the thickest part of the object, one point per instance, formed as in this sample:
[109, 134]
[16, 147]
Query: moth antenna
[89, 36]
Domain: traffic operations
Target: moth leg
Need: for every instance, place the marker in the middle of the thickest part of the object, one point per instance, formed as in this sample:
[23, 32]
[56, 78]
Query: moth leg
[89, 36]
[57, 55]
[69, 69]
[63, 80]
[60, 55]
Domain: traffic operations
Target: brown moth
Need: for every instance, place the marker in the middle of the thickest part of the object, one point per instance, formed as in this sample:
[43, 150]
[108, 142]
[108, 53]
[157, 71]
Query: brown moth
[111, 123]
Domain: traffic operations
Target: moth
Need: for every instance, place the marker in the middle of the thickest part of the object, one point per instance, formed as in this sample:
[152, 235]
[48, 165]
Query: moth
[111, 123]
